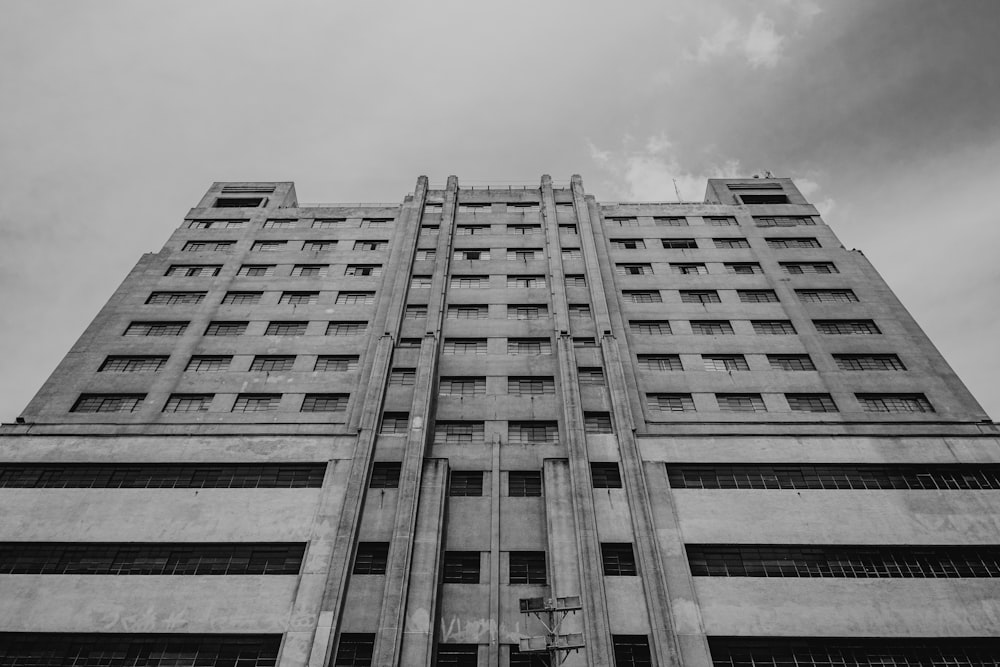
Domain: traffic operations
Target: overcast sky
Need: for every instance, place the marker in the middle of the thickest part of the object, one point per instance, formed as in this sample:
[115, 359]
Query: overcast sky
[115, 117]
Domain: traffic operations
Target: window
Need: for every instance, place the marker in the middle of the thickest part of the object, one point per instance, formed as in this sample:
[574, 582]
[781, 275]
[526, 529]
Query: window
[528, 312]
[791, 362]
[188, 403]
[628, 244]
[783, 221]
[216, 224]
[355, 650]
[631, 651]
[868, 362]
[740, 402]
[689, 269]
[579, 310]
[524, 483]
[474, 255]
[256, 402]
[894, 403]
[355, 298]
[286, 328]
[415, 313]
[471, 230]
[569, 229]
[529, 346]
[465, 483]
[826, 295]
[155, 329]
[525, 282]
[462, 386]
[272, 363]
[757, 296]
[376, 223]
[597, 422]
[523, 255]
[811, 403]
[371, 558]
[634, 269]
[764, 199]
[470, 282]
[743, 268]
[428, 229]
[711, 327]
[385, 476]
[571, 253]
[524, 229]
[363, 270]
[108, 403]
[605, 476]
[798, 268]
[336, 362]
[461, 567]
[593, 375]
[226, 328]
[325, 402]
[469, 312]
[130, 364]
[772, 327]
[642, 296]
[194, 270]
[256, 270]
[670, 221]
[725, 362]
[846, 327]
[457, 655]
[241, 298]
[459, 433]
[370, 246]
[679, 244]
[723, 221]
[584, 341]
[465, 346]
[530, 386]
[408, 343]
[421, 281]
[793, 243]
[346, 328]
[660, 362]
[328, 223]
[700, 296]
[532, 433]
[208, 246]
[279, 224]
[395, 423]
[403, 377]
[238, 202]
[523, 207]
[427, 255]
[478, 207]
[623, 221]
[209, 363]
[268, 246]
[730, 244]
[650, 327]
[527, 567]
[299, 298]
[576, 280]
[618, 559]
[149, 650]
[318, 246]
[670, 402]
[161, 475]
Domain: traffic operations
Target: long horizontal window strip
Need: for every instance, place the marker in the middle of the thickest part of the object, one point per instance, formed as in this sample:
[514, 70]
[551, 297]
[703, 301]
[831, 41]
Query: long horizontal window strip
[894, 403]
[811, 403]
[643, 296]
[459, 433]
[757, 296]
[188, 403]
[149, 559]
[854, 652]
[299, 298]
[868, 362]
[256, 270]
[346, 328]
[193, 270]
[700, 296]
[527, 312]
[155, 329]
[634, 269]
[670, 402]
[161, 475]
[743, 268]
[226, 328]
[209, 246]
[846, 477]
[474, 312]
[336, 362]
[783, 221]
[272, 363]
[740, 403]
[530, 386]
[325, 402]
[310, 270]
[533, 432]
[772, 327]
[711, 327]
[175, 298]
[650, 327]
[679, 244]
[827, 296]
[241, 298]
[799, 268]
[100, 403]
[61, 649]
[802, 242]
[286, 328]
[791, 362]
[660, 362]
[529, 346]
[462, 386]
[355, 298]
[465, 346]
[725, 362]
[132, 364]
[257, 402]
[209, 363]
[861, 562]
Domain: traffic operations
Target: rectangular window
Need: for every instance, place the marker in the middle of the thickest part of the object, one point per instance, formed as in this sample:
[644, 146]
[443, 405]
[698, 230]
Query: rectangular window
[826, 295]
[772, 327]
[376, 223]
[632, 651]
[469, 312]
[279, 224]
[395, 423]
[209, 363]
[764, 199]
[846, 327]
[618, 559]
[642, 296]
[523, 255]
[597, 422]
[108, 403]
[363, 270]
[371, 558]
[256, 270]
[711, 327]
[193, 270]
[579, 310]
[208, 246]
[730, 244]
[426, 255]
[793, 243]
[605, 476]
[523, 207]
[238, 202]
[461, 567]
[336, 362]
[299, 298]
[286, 328]
[403, 377]
[476, 207]
[465, 483]
[623, 221]
[576, 280]
[571, 253]
[241, 298]
[757, 296]
[660, 362]
[472, 230]
[325, 402]
[628, 244]
[226, 328]
[584, 341]
[415, 313]
[670, 221]
[783, 221]
[592, 375]
[103, 649]
[897, 403]
[328, 223]
[743, 268]
[355, 298]
[421, 281]
[268, 246]
[670, 402]
[530, 386]
[528, 312]
[725, 362]
[462, 386]
[679, 244]
[470, 282]
[385, 476]
[691, 269]
[798, 268]
[569, 229]
[740, 403]
[634, 269]
[427, 230]
[721, 221]
[465, 346]
[529, 346]
[524, 483]
[524, 229]
[791, 362]
[474, 255]
[132, 364]
[457, 655]
[161, 475]
[188, 403]
[525, 282]
[700, 296]
[650, 327]
[355, 649]
[216, 224]
[155, 329]
[257, 402]
[346, 328]
[459, 433]
[370, 246]
[527, 567]
[318, 246]
[811, 403]
[868, 362]
[272, 363]
[532, 433]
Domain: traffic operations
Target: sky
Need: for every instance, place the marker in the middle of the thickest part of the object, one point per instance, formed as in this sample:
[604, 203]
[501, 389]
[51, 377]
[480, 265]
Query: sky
[115, 117]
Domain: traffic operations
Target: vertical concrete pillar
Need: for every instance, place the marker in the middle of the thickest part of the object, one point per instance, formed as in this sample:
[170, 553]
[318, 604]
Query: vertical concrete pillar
[493, 650]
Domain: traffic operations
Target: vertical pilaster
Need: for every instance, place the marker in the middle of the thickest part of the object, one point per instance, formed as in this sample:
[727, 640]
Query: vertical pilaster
[493, 651]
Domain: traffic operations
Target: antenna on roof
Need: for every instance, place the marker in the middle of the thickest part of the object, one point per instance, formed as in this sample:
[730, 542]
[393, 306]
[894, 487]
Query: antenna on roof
[677, 190]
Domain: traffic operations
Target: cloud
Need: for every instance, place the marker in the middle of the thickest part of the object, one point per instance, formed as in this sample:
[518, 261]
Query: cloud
[759, 41]
[763, 45]
[810, 189]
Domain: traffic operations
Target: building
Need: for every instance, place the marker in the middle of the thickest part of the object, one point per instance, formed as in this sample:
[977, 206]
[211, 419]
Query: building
[708, 425]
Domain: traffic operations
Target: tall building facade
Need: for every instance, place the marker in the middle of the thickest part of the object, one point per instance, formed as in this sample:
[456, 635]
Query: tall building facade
[372, 434]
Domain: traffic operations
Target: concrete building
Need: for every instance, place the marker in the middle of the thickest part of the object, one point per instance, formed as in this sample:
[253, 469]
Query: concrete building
[361, 434]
